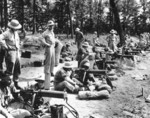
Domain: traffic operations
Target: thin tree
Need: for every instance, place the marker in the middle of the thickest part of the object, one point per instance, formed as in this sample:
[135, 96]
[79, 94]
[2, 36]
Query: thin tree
[70, 17]
[117, 21]
[5, 13]
[34, 17]
[1, 12]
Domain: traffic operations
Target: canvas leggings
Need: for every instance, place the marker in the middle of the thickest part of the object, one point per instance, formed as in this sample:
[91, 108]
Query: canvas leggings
[13, 64]
[49, 65]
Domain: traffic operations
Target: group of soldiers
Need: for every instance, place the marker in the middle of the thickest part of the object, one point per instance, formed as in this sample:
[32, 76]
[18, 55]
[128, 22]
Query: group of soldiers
[67, 78]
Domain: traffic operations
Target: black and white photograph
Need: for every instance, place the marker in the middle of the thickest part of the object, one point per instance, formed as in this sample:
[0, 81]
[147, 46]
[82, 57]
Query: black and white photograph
[74, 58]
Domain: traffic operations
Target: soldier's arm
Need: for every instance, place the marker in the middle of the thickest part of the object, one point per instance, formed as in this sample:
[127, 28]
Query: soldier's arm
[68, 79]
[42, 40]
[3, 36]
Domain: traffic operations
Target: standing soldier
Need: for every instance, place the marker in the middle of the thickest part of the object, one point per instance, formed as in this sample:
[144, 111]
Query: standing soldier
[11, 42]
[113, 40]
[49, 42]
[79, 38]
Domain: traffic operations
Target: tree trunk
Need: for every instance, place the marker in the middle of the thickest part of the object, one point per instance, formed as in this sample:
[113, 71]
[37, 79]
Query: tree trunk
[70, 18]
[22, 18]
[5, 13]
[98, 19]
[1, 13]
[117, 21]
[34, 17]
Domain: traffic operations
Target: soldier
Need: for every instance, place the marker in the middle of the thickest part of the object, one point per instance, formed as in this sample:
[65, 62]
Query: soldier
[39, 84]
[6, 97]
[10, 41]
[112, 40]
[49, 42]
[63, 79]
[66, 50]
[79, 38]
[84, 77]
[83, 52]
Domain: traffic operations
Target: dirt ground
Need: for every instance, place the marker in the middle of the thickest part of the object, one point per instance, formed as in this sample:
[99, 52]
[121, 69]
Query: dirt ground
[126, 101]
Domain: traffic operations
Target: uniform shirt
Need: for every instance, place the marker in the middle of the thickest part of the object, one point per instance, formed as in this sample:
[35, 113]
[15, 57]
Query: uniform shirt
[79, 37]
[82, 52]
[49, 37]
[12, 40]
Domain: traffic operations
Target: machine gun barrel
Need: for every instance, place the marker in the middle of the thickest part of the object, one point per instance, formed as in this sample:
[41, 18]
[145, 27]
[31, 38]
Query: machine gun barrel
[103, 72]
[110, 62]
[137, 49]
[134, 52]
[53, 94]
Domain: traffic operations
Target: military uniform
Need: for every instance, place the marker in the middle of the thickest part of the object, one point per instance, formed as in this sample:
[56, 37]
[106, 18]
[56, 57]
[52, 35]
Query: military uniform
[79, 39]
[6, 97]
[60, 83]
[83, 53]
[12, 42]
[112, 42]
[49, 56]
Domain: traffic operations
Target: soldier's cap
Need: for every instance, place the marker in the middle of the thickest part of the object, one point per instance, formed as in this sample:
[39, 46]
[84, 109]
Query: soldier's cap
[77, 29]
[51, 23]
[113, 31]
[67, 65]
[95, 32]
[85, 44]
[14, 24]
[40, 79]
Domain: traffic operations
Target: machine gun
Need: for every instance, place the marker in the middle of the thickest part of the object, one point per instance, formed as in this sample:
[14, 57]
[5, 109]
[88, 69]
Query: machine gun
[102, 64]
[133, 52]
[31, 98]
[95, 72]
[99, 72]
[137, 49]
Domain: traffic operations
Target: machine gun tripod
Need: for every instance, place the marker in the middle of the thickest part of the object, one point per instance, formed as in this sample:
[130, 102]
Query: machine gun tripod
[30, 102]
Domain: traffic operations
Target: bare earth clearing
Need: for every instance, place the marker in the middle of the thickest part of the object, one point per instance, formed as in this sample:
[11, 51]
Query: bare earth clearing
[124, 101]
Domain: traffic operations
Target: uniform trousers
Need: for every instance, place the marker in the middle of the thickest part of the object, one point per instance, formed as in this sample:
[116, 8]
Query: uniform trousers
[49, 65]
